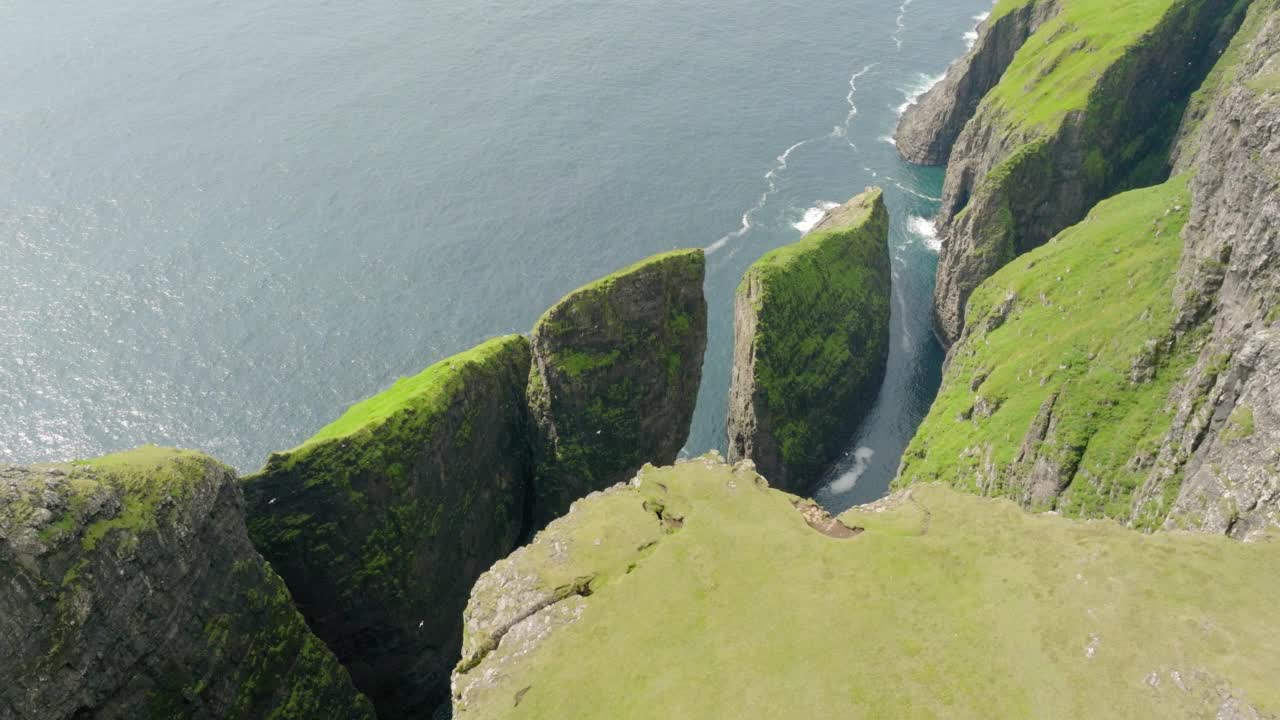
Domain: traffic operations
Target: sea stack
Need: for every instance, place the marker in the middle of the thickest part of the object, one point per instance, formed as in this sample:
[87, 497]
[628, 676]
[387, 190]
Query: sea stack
[811, 340]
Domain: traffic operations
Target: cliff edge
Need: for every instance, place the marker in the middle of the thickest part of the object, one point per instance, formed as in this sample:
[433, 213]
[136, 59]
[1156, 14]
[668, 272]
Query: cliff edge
[698, 591]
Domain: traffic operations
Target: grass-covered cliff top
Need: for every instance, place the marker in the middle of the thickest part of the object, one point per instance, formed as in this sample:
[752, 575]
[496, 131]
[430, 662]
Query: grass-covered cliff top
[1061, 64]
[119, 491]
[947, 606]
[693, 259]
[833, 230]
[1079, 326]
[429, 391]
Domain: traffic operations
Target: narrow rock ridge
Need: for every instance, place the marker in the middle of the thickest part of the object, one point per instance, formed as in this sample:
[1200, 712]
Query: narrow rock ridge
[615, 376]
[928, 129]
[381, 523]
[811, 339]
[1012, 183]
[131, 590]
[1224, 443]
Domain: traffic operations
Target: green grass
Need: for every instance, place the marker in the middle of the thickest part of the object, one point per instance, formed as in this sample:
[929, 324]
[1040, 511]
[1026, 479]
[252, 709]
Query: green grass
[1240, 425]
[1083, 309]
[950, 606]
[1058, 68]
[428, 391]
[144, 478]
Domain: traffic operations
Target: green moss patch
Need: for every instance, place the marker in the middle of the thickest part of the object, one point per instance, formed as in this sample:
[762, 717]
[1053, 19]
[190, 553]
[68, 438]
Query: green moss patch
[1076, 339]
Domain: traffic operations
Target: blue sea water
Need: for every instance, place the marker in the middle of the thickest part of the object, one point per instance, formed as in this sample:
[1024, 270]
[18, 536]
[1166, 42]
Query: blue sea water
[221, 223]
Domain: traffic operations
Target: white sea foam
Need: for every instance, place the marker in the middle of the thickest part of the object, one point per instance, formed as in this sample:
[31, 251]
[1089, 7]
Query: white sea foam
[846, 481]
[771, 179]
[926, 230]
[911, 94]
[901, 23]
[971, 37]
[813, 216]
[780, 164]
[889, 139]
[842, 131]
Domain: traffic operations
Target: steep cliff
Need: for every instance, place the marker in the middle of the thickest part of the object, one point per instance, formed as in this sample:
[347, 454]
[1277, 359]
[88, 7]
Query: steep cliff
[131, 590]
[1088, 107]
[929, 128]
[615, 375]
[1222, 453]
[1128, 369]
[811, 339]
[382, 521]
[696, 591]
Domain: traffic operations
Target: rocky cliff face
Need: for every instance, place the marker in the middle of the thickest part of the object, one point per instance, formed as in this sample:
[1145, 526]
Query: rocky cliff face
[1126, 370]
[811, 338]
[928, 129]
[131, 590]
[1088, 107]
[382, 521]
[615, 377]
[696, 591]
[1222, 454]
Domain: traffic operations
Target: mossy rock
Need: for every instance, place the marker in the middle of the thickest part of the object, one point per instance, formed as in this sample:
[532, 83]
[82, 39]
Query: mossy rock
[945, 605]
[811, 336]
[617, 364]
[382, 521]
[132, 590]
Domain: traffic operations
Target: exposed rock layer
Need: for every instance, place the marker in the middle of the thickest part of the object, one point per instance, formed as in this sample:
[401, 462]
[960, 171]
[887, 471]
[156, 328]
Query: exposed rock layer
[929, 128]
[811, 339]
[615, 377]
[381, 525]
[131, 590]
[1015, 179]
[1225, 439]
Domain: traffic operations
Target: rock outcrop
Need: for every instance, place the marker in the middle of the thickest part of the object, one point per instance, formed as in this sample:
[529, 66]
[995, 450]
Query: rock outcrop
[131, 590]
[811, 339]
[1222, 453]
[929, 128]
[1088, 107]
[698, 591]
[382, 521]
[615, 376]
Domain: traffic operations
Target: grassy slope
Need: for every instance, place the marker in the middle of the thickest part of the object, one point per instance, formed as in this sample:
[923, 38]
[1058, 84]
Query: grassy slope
[823, 330]
[1086, 306]
[1059, 66]
[973, 610]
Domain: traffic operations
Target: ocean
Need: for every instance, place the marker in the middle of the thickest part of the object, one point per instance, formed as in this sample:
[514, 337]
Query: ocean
[222, 223]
